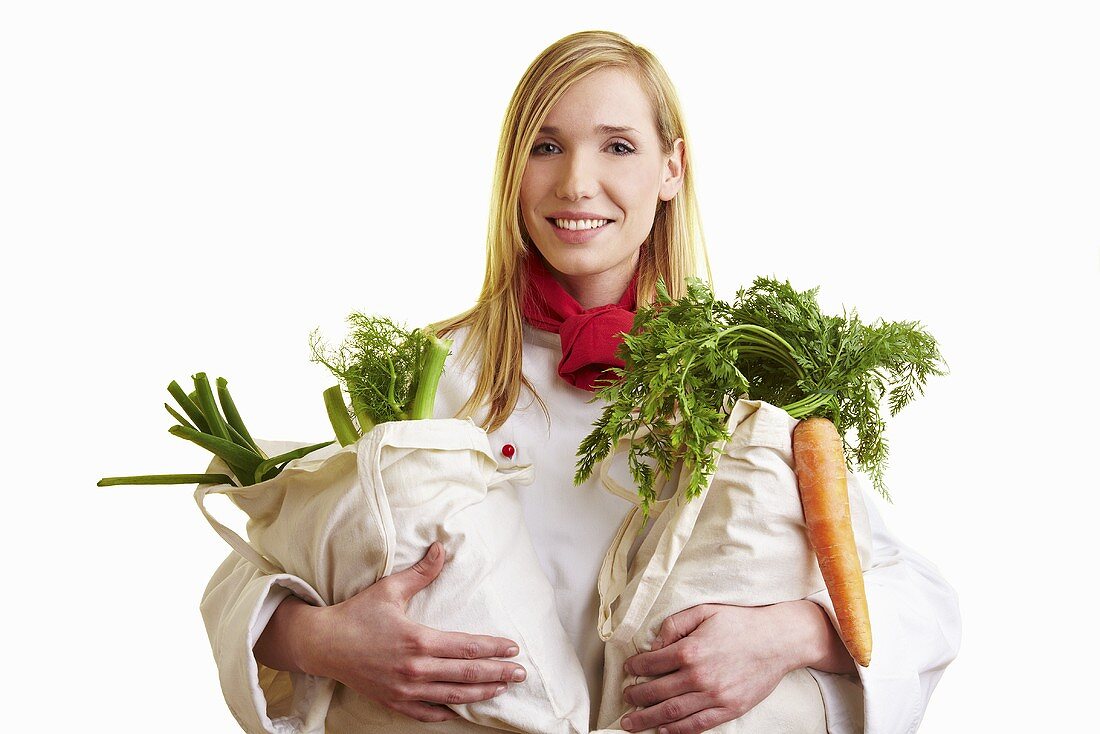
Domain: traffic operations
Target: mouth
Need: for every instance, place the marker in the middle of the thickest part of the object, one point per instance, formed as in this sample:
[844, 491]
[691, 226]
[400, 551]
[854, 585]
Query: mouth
[583, 225]
[580, 232]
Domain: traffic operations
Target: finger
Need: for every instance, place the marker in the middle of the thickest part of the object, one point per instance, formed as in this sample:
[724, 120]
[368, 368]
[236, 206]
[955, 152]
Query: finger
[661, 689]
[455, 693]
[701, 721]
[470, 671]
[678, 626]
[409, 581]
[671, 710]
[466, 646]
[422, 711]
[666, 660]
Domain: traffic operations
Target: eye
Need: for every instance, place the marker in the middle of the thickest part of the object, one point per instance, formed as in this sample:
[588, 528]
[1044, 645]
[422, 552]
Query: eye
[621, 148]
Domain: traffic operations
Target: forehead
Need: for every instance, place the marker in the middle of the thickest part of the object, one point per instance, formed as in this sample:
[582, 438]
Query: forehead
[609, 97]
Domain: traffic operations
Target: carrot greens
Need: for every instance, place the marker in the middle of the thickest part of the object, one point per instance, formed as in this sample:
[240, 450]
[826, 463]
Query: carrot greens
[688, 360]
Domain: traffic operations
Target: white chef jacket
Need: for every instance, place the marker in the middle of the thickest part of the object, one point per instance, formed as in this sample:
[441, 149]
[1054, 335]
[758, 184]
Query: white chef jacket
[914, 612]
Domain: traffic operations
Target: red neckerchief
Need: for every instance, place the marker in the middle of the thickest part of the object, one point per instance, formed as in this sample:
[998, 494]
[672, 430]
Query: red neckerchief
[589, 337]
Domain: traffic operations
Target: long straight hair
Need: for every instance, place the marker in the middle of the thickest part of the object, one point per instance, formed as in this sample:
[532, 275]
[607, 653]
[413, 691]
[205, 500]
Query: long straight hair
[671, 251]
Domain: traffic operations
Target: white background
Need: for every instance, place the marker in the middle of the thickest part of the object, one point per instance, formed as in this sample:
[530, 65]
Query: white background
[194, 186]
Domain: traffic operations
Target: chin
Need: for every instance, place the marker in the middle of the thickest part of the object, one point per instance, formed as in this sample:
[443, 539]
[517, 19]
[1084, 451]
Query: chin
[575, 263]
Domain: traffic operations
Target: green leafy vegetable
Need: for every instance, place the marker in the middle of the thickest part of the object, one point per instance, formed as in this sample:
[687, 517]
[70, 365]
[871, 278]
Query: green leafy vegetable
[389, 372]
[687, 361]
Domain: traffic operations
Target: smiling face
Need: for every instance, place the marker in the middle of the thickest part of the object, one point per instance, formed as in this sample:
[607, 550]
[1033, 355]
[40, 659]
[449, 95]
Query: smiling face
[579, 164]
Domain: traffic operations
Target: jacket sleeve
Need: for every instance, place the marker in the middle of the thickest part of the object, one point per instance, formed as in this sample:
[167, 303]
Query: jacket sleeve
[916, 630]
[236, 607]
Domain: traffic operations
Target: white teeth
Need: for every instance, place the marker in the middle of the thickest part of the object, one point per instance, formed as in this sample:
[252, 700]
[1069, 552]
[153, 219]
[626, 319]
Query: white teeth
[581, 223]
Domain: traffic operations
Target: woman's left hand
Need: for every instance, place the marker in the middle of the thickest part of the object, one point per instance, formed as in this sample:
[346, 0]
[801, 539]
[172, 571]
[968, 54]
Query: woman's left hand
[714, 662]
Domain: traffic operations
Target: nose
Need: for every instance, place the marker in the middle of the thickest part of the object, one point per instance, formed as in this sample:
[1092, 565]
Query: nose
[578, 178]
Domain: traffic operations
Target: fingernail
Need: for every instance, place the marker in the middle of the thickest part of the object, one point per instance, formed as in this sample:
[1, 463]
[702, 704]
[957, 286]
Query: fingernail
[519, 674]
[626, 667]
[434, 552]
[499, 690]
[511, 651]
[662, 730]
[626, 722]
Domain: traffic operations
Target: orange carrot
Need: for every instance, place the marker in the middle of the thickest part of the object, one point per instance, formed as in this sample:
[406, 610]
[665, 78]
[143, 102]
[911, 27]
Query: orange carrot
[823, 485]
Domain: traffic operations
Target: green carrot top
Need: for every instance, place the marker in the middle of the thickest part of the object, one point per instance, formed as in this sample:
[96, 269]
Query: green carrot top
[688, 360]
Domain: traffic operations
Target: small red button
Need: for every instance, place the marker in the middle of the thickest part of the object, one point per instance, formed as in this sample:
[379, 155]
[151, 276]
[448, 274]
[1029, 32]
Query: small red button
[508, 450]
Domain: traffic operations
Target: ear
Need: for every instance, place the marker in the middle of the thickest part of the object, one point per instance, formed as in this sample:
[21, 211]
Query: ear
[673, 172]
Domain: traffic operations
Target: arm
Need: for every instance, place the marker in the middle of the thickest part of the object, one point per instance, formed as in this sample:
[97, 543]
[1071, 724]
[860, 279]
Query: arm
[916, 625]
[278, 647]
[716, 662]
[734, 656]
[365, 642]
[236, 607]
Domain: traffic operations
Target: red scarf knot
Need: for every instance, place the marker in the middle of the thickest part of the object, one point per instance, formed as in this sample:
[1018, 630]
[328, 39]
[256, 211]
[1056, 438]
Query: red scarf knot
[589, 337]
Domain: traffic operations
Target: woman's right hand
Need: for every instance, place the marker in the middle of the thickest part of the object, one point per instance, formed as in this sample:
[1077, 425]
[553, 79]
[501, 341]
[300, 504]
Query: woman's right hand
[368, 644]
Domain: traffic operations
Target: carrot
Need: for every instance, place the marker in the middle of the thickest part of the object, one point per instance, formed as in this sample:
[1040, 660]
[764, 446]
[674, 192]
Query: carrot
[823, 485]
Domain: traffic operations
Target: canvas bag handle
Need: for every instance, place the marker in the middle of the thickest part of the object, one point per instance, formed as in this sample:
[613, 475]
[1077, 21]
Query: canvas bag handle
[235, 541]
[230, 536]
[613, 579]
[521, 476]
[674, 538]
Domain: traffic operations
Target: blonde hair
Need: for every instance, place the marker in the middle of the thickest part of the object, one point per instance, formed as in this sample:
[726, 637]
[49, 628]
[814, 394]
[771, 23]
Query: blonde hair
[671, 250]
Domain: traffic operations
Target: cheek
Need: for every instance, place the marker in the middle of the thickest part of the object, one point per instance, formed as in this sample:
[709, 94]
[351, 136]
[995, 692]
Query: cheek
[527, 200]
[524, 192]
[536, 177]
[638, 191]
[528, 180]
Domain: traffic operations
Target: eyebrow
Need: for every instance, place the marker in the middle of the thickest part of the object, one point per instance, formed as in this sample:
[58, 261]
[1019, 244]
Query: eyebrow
[599, 129]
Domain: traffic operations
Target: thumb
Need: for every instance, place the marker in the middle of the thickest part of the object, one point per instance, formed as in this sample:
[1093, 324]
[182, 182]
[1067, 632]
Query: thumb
[678, 626]
[420, 574]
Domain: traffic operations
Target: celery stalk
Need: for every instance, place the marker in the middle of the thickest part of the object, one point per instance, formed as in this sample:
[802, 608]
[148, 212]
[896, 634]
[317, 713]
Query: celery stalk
[435, 355]
[389, 373]
[342, 424]
[366, 420]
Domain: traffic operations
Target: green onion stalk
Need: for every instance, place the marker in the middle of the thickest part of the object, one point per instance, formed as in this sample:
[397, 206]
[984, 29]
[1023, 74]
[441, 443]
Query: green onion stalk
[224, 435]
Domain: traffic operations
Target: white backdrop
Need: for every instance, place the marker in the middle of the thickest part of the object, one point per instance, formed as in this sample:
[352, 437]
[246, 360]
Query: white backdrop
[194, 186]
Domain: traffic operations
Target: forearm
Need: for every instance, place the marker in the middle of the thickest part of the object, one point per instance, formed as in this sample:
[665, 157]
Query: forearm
[818, 644]
[237, 606]
[287, 636]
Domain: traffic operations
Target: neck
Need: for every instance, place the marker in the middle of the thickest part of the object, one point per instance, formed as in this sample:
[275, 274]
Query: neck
[597, 289]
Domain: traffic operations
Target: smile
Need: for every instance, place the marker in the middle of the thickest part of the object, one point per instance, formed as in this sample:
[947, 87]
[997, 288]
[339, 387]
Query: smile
[577, 231]
[574, 224]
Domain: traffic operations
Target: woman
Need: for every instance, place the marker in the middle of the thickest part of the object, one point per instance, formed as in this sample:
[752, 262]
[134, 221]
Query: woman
[593, 200]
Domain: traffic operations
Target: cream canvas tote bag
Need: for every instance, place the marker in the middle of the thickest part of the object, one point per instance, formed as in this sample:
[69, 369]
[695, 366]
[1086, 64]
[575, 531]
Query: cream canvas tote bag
[342, 518]
[742, 542]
